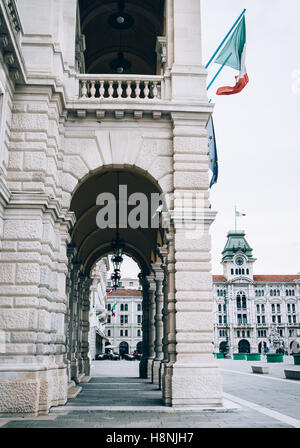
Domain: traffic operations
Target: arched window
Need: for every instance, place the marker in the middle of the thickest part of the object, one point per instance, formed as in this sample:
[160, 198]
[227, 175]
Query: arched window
[293, 292]
[278, 292]
[238, 301]
[236, 272]
[286, 292]
[263, 293]
[290, 292]
[259, 293]
[232, 271]
[243, 271]
[247, 271]
[244, 302]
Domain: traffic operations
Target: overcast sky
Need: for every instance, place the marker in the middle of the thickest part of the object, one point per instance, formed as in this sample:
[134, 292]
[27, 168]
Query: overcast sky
[257, 133]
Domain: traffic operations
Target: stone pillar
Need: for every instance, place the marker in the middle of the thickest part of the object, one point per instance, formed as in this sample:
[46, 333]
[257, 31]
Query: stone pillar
[196, 379]
[143, 367]
[33, 303]
[86, 365]
[159, 277]
[164, 253]
[170, 321]
[151, 324]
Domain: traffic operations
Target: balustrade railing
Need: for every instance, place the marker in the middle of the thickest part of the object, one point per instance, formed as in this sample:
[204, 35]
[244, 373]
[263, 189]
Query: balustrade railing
[122, 88]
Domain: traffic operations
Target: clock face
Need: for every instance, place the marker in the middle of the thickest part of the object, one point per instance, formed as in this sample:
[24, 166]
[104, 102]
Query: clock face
[239, 261]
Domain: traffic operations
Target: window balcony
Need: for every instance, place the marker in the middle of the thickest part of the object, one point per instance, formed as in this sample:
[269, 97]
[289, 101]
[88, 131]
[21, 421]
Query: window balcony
[121, 88]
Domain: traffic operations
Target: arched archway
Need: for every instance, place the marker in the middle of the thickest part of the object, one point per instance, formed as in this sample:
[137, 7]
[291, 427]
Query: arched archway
[123, 348]
[127, 206]
[222, 347]
[139, 347]
[126, 27]
[244, 346]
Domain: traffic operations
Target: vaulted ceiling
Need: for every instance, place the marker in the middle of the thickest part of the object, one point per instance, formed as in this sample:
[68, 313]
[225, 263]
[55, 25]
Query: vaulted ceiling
[105, 39]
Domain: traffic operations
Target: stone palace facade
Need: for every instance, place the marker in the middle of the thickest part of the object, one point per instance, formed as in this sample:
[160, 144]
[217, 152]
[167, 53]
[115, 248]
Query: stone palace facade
[83, 112]
[247, 306]
[124, 327]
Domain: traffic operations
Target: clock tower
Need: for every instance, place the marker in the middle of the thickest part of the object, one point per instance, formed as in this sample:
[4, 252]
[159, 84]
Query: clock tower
[237, 256]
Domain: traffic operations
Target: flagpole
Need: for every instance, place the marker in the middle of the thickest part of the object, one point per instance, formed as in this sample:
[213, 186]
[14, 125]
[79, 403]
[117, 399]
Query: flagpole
[218, 72]
[235, 217]
[223, 41]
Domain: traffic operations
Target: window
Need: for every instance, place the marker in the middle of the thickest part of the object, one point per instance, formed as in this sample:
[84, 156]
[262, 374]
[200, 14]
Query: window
[248, 333]
[126, 333]
[294, 308]
[273, 319]
[108, 333]
[224, 308]
[139, 333]
[263, 320]
[108, 307]
[130, 283]
[294, 318]
[124, 319]
[271, 292]
[126, 307]
[290, 319]
[122, 307]
[109, 319]
[120, 284]
[238, 333]
[108, 283]
[225, 319]
[121, 333]
[139, 319]
[278, 308]
[273, 308]
[220, 308]
[263, 308]
[289, 308]
[257, 308]
[238, 301]
[258, 319]
[247, 271]
[244, 318]
[232, 271]
[139, 307]
[239, 319]
[279, 319]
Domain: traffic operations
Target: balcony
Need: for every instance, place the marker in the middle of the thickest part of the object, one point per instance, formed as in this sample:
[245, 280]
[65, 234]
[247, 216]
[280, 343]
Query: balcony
[126, 88]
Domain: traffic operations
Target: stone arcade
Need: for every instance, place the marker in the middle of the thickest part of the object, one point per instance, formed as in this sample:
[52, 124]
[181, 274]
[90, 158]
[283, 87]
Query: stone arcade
[80, 109]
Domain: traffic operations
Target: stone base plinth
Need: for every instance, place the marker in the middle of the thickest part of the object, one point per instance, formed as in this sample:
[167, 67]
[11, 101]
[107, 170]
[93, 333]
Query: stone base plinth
[192, 385]
[156, 371]
[31, 392]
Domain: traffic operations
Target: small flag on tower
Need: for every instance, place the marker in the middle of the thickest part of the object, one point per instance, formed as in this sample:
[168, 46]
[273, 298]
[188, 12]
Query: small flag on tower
[234, 55]
[110, 292]
[212, 152]
[239, 213]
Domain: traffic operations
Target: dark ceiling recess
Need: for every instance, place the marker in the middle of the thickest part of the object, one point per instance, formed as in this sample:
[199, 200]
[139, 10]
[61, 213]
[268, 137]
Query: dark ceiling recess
[121, 35]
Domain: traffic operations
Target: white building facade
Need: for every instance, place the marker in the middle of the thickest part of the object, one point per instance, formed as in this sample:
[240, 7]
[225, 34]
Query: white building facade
[98, 313]
[124, 326]
[247, 306]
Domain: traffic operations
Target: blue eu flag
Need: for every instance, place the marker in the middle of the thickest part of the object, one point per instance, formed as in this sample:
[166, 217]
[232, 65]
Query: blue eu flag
[212, 152]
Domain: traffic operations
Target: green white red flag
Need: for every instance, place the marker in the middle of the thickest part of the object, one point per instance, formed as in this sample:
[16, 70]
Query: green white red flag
[234, 56]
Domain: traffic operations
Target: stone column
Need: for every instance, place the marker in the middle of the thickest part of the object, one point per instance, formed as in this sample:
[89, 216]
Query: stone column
[170, 347]
[159, 277]
[143, 367]
[151, 324]
[86, 365]
[196, 379]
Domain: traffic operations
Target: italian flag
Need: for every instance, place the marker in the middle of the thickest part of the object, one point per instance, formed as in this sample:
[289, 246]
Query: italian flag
[239, 213]
[234, 55]
[113, 310]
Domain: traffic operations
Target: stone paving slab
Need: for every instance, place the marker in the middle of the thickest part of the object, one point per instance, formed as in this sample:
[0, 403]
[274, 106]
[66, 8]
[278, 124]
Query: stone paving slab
[108, 402]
